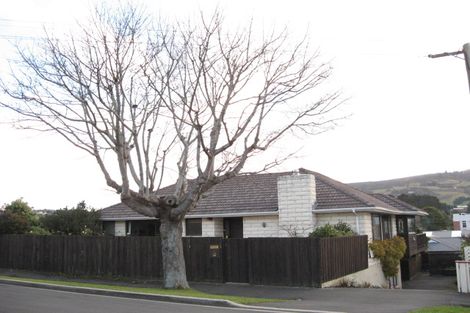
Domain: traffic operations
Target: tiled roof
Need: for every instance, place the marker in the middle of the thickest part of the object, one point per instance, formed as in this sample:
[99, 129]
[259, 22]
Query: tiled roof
[121, 212]
[257, 193]
[332, 194]
[396, 203]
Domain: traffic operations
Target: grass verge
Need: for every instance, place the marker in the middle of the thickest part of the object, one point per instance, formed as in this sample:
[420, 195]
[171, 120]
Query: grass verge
[442, 309]
[155, 291]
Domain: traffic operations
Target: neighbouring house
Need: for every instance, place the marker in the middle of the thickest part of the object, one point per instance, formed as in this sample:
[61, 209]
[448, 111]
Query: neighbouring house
[444, 248]
[461, 221]
[287, 204]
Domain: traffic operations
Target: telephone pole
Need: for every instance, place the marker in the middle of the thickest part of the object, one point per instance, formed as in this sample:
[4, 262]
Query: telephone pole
[465, 51]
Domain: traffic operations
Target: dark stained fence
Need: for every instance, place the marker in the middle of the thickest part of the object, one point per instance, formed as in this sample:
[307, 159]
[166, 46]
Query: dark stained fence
[236, 265]
[283, 261]
[76, 255]
[342, 256]
[270, 261]
[204, 259]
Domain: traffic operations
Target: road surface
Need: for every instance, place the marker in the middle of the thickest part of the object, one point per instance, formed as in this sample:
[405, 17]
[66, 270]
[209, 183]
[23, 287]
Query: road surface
[19, 299]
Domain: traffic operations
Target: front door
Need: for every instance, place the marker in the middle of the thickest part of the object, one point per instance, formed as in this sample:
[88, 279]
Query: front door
[233, 227]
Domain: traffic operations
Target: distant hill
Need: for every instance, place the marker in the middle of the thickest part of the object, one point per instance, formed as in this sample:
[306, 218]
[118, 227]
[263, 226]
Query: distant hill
[446, 186]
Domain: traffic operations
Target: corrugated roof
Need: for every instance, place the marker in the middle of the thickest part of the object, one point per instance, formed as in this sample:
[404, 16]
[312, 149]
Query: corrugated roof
[257, 194]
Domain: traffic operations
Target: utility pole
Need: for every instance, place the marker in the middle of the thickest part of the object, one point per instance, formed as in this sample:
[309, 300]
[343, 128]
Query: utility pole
[465, 51]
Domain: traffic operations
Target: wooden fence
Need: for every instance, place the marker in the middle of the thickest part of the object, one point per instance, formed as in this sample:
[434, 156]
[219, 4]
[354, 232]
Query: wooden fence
[270, 261]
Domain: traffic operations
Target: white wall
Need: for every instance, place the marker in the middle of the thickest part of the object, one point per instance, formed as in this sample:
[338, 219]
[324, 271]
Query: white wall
[296, 195]
[261, 226]
[213, 227]
[394, 225]
[460, 218]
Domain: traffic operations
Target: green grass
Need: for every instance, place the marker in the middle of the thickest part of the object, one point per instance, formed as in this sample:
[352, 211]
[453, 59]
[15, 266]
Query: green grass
[156, 291]
[442, 309]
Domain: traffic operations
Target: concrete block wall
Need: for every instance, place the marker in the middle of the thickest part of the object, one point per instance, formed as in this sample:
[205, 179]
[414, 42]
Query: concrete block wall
[296, 197]
[212, 227]
[261, 226]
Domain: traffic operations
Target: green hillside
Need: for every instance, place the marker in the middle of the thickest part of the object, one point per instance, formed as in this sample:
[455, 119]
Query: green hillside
[446, 186]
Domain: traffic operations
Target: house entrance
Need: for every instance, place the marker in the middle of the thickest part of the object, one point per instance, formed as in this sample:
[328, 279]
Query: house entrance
[233, 227]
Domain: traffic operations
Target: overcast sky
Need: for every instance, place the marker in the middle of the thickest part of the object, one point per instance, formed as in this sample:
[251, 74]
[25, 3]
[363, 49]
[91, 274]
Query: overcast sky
[409, 114]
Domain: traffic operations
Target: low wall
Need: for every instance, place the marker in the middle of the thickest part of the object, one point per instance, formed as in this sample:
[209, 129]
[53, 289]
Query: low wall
[373, 276]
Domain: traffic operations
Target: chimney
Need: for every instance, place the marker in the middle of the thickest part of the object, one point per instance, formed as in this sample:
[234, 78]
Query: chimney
[296, 196]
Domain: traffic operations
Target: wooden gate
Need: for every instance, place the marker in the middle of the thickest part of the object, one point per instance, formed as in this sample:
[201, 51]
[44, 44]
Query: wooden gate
[236, 261]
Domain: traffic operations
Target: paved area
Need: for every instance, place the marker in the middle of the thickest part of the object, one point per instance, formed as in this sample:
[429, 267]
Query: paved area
[354, 300]
[425, 281]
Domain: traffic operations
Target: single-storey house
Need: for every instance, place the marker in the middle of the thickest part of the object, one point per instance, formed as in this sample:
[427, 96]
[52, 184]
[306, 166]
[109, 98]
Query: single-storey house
[286, 204]
[283, 204]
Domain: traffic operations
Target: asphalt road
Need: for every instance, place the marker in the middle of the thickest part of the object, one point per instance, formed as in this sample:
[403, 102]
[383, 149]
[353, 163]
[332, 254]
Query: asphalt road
[19, 299]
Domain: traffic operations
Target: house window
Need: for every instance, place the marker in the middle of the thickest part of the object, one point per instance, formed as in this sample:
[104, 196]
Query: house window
[401, 229]
[145, 228]
[194, 227]
[464, 224]
[381, 227]
[108, 228]
[386, 227]
[411, 224]
[376, 228]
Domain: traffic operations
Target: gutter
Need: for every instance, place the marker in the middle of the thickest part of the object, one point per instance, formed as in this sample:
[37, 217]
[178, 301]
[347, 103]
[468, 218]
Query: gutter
[121, 219]
[368, 209]
[208, 215]
[238, 214]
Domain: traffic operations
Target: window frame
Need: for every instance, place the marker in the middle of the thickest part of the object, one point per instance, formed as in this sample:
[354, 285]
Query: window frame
[193, 227]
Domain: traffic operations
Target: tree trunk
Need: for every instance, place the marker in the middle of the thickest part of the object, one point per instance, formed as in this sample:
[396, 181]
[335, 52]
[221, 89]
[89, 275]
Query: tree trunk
[174, 269]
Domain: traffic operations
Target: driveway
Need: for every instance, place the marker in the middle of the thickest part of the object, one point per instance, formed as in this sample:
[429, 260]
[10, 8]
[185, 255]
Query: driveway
[424, 281]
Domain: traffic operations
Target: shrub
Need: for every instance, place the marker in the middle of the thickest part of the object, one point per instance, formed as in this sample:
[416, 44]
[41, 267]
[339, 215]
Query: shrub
[12, 223]
[389, 252]
[79, 220]
[18, 218]
[39, 231]
[340, 229]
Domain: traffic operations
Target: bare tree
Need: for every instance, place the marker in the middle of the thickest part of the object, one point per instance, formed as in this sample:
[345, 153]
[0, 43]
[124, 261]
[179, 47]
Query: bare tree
[141, 98]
